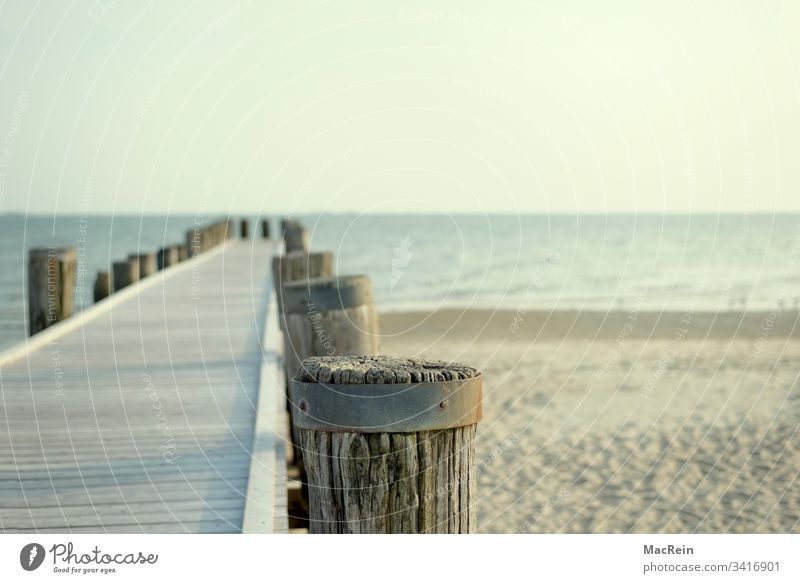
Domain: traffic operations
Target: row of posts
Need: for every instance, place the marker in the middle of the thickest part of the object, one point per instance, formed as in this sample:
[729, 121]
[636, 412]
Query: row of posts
[52, 272]
[382, 444]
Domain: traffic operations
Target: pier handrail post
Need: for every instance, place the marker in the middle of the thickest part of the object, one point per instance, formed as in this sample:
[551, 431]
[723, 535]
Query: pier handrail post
[245, 228]
[102, 285]
[325, 317]
[194, 242]
[167, 256]
[125, 273]
[295, 236]
[264, 228]
[328, 316]
[299, 266]
[51, 286]
[146, 262]
[388, 443]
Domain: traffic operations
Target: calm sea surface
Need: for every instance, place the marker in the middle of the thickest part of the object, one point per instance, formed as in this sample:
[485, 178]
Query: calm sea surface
[676, 263]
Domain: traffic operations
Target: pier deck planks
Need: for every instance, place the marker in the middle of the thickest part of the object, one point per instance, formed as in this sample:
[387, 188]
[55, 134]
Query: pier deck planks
[142, 418]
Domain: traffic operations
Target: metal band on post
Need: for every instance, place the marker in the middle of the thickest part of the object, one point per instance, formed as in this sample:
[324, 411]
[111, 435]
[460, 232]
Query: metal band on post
[388, 443]
[387, 408]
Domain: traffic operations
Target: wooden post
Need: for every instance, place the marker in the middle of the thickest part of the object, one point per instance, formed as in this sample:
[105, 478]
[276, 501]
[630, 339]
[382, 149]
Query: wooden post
[264, 229]
[51, 286]
[194, 242]
[173, 255]
[388, 444]
[295, 236]
[216, 234]
[147, 263]
[167, 256]
[102, 285]
[245, 228]
[205, 239]
[294, 267]
[218, 229]
[183, 253]
[326, 317]
[161, 258]
[125, 273]
[299, 266]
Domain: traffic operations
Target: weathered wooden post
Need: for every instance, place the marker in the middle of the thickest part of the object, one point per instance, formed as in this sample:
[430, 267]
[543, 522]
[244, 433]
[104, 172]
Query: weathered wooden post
[388, 443]
[264, 229]
[147, 263]
[295, 236]
[205, 239]
[183, 253]
[297, 266]
[216, 234]
[194, 242]
[245, 228]
[173, 255]
[51, 286]
[134, 262]
[218, 229]
[102, 285]
[167, 256]
[328, 316]
[161, 258]
[125, 273]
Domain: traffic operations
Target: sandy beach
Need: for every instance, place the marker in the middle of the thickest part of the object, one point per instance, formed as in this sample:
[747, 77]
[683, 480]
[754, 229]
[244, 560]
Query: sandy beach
[627, 422]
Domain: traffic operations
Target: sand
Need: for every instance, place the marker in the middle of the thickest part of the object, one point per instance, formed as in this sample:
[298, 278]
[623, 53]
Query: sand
[633, 422]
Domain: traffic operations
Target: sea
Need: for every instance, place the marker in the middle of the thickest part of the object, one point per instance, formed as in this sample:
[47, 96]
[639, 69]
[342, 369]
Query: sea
[692, 262]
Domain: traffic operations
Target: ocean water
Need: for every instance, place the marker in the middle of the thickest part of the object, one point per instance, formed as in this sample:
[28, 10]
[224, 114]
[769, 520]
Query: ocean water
[529, 262]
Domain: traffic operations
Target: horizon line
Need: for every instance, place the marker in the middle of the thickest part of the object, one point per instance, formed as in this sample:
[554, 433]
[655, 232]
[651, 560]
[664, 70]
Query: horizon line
[274, 214]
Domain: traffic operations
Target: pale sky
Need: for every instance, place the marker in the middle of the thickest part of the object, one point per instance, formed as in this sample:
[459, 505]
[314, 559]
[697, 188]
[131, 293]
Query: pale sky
[532, 107]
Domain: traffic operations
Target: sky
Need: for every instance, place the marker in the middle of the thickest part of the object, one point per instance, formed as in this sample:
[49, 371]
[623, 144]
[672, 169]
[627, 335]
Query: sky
[112, 106]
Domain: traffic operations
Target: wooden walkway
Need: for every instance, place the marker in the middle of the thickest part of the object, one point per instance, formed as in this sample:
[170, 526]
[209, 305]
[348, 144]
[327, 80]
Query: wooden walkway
[139, 414]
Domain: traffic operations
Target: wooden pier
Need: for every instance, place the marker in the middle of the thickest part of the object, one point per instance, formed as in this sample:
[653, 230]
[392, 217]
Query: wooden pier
[158, 410]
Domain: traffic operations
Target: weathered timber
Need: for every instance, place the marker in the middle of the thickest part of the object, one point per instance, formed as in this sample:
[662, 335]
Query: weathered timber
[102, 285]
[326, 317]
[91, 460]
[146, 262]
[125, 273]
[295, 236]
[51, 286]
[386, 482]
[195, 241]
[299, 266]
[167, 256]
